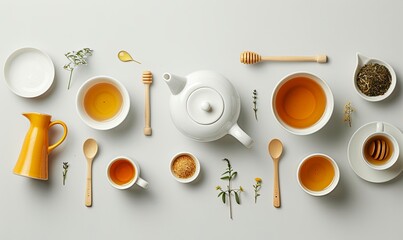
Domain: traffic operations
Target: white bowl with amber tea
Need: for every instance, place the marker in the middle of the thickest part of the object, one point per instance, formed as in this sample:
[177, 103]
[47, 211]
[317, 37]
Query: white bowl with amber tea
[374, 79]
[302, 103]
[184, 167]
[102, 102]
[318, 174]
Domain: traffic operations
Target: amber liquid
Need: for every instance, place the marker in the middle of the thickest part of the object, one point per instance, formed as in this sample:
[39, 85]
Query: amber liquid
[367, 151]
[103, 101]
[122, 171]
[300, 102]
[316, 173]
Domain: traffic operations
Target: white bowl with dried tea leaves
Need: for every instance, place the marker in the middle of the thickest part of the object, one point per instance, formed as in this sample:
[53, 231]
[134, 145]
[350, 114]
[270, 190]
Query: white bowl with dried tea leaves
[374, 79]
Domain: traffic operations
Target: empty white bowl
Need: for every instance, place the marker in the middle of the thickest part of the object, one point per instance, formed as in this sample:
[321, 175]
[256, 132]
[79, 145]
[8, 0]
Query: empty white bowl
[29, 72]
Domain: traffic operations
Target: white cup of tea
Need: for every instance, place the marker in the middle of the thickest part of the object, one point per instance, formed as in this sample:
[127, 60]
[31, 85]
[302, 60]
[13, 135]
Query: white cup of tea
[318, 174]
[123, 173]
[302, 103]
[102, 102]
[380, 150]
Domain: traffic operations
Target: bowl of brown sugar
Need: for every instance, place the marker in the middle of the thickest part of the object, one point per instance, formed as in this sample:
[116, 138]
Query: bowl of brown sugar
[184, 167]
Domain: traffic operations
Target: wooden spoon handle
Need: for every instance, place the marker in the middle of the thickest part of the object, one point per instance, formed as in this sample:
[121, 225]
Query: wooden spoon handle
[88, 189]
[276, 191]
[318, 58]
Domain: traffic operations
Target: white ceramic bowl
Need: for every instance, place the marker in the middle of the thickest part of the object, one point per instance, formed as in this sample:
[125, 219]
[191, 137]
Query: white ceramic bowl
[194, 176]
[331, 186]
[325, 116]
[109, 123]
[29, 72]
[361, 61]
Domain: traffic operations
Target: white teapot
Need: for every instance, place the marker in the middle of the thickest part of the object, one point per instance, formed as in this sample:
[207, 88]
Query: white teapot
[205, 106]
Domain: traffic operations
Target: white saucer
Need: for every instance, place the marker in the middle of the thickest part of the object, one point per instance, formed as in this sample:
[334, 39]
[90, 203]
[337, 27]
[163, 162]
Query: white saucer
[29, 72]
[357, 162]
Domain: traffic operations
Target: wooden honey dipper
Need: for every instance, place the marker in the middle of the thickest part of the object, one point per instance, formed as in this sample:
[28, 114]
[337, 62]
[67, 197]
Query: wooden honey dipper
[252, 58]
[147, 80]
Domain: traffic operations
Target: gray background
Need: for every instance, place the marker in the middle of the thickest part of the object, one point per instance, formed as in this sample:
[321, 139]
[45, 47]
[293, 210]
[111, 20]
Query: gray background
[181, 37]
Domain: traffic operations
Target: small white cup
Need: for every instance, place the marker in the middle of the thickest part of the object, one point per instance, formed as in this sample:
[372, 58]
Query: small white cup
[135, 179]
[189, 179]
[394, 155]
[329, 187]
[326, 114]
[106, 124]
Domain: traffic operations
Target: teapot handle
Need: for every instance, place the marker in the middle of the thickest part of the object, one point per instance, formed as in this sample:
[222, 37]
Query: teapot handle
[50, 148]
[239, 134]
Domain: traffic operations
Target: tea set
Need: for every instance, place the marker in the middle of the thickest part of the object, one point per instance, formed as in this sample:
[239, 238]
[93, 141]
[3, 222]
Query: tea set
[204, 106]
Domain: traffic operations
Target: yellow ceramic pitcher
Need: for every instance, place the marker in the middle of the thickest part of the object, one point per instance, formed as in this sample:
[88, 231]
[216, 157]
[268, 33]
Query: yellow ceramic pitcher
[33, 159]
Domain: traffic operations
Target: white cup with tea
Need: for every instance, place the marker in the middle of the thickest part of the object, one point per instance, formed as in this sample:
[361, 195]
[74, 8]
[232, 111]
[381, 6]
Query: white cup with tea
[380, 150]
[302, 103]
[123, 173]
[318, 174]
[102, 102]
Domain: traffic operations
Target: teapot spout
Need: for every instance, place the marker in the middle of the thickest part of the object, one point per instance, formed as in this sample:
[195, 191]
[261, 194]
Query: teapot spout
[175, 83]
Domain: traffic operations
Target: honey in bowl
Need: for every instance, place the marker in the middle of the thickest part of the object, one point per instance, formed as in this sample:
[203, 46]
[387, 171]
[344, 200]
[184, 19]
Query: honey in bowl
[103, 101]
[316, 173]
[122, 171]
[300, 102]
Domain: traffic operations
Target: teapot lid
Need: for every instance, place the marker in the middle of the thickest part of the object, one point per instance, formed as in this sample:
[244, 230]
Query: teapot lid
[205, 106]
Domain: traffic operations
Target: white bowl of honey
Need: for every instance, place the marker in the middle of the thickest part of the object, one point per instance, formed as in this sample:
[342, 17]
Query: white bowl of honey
[102, 102]
[302, 103]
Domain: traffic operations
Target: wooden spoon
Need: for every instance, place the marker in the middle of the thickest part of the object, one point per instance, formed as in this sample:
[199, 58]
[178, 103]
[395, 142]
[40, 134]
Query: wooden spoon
[275, 150]
[252, 58]
[90, 149]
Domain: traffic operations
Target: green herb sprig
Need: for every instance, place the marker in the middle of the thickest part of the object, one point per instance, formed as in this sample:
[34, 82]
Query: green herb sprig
[229, 175]
[76, 59]
[256, 187]
[254, 96]
[65, 169]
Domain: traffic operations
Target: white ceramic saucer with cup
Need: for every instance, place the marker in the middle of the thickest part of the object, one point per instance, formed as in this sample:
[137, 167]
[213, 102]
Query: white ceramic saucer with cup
[106, 124]
[29, 72]
[393, 152]
[358, 164]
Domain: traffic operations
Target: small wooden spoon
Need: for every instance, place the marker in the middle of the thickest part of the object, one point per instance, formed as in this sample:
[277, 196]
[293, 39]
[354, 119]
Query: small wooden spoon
[252, 58]
[90, 149]
[275, 150]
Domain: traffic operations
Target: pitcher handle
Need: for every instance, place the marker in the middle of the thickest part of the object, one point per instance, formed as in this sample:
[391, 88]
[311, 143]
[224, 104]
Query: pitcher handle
[239, 134]
[50, 148]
